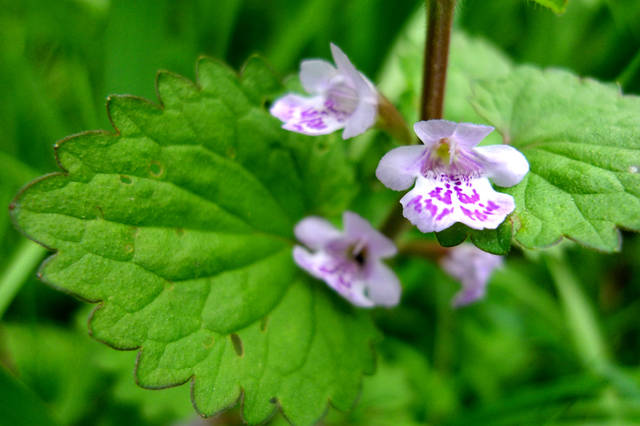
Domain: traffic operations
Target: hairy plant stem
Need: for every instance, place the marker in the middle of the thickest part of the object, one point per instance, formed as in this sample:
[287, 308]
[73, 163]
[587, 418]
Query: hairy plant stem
[436, 57]
[434, 77]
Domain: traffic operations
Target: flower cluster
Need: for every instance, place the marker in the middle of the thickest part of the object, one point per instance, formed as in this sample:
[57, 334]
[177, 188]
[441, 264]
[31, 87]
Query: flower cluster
[449, 172]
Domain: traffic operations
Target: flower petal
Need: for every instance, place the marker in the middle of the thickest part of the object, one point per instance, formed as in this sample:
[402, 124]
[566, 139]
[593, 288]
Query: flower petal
[383, 285]
[340, 275]
[316, 75]
[362, 119]
[468, 135]
[399, 167]
[473, 268]
[432, 131]
[357, 229]
[310, 116]
[316, 232]
[345, 67]
[504, 164]
[435, 204]
[430, 213]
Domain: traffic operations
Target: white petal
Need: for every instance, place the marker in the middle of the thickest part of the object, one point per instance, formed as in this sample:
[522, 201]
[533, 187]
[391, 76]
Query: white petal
[310, 116]
[383, 285]
[432, 131]
[504, 164]
[399, 167]
[429, 213]
[435, 204]
[316, 75]
[355, 226]
[343, 277]
[357, 229]
[345, 67]
[468, 135]
[362, 119]
[315, 232]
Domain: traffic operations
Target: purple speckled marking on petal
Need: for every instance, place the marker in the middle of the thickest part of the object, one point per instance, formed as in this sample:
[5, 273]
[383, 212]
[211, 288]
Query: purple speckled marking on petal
[468, 199]
[443, 213]
[415, 202]
[481, 217]
[316, 123]
[492, 206]
[467, 213]
[309, 112]
[446, 198]
[430, 207]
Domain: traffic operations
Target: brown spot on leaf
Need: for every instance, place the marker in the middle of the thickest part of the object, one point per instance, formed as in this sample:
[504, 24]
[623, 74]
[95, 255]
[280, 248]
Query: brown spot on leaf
[263, 323]
[237, 344]
[208, 343]
[156, 168]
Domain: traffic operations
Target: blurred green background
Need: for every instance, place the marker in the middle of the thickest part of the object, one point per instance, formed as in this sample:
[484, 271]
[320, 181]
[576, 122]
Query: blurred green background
[556, 342]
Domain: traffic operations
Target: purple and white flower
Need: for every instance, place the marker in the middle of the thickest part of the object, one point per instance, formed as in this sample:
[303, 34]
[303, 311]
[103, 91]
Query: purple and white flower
[451, 176]
[341, 97]
[473, 268]
[350, 261]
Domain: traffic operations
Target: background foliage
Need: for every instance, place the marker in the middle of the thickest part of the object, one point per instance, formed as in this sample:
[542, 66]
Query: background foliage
[555, 341]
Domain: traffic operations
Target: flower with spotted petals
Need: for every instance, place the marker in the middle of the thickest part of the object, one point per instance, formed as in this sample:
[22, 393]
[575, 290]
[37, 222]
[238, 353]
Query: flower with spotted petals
[451, 176]
[473, 268]
[350, 261]
[341, 97]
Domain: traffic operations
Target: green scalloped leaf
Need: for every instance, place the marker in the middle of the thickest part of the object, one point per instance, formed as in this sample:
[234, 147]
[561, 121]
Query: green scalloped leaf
[582, 140]
[180, 226]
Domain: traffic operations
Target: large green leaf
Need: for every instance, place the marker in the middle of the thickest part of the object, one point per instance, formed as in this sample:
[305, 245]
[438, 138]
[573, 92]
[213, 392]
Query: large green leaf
[582, 140]
[180, 226]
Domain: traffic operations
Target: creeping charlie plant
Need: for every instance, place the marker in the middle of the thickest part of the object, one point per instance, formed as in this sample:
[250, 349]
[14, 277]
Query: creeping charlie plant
[256, 252]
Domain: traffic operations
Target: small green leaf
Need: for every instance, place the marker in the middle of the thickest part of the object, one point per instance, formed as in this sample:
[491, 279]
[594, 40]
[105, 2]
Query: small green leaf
[181, 225]
[582, 140]
[557, 6]
[496, 241]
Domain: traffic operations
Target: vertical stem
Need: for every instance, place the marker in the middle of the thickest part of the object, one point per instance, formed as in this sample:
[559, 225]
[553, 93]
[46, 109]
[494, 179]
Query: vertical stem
[631, 70]
[590, 344]
[27, 257]
[436, 58]
[581, 320]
